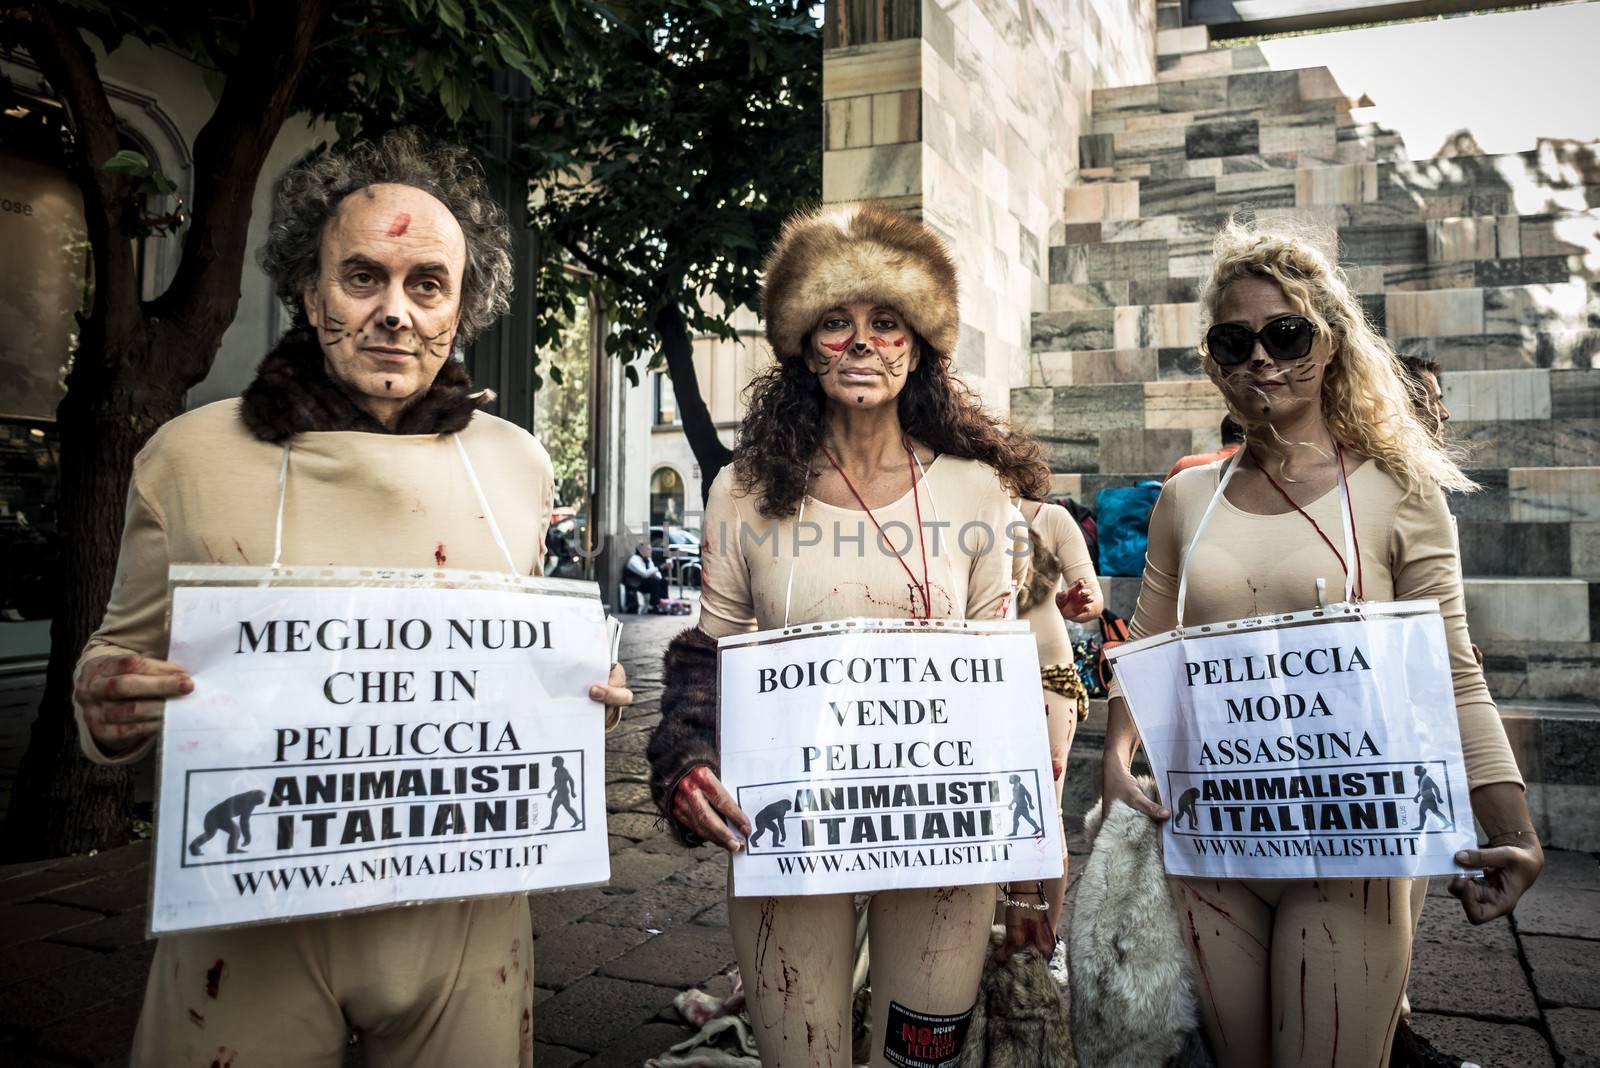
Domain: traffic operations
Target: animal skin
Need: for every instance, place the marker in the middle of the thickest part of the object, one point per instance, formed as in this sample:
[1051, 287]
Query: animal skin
[1133, 1001]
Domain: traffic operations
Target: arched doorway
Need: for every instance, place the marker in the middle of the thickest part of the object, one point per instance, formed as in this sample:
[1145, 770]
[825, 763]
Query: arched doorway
[666, 497]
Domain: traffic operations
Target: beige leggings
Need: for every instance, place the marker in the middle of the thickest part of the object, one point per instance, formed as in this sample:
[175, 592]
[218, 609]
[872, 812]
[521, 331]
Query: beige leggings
[797, 954]
[432, 986]
[1298, 973]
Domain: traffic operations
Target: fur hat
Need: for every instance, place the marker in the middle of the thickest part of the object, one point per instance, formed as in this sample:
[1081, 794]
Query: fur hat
[866, 251]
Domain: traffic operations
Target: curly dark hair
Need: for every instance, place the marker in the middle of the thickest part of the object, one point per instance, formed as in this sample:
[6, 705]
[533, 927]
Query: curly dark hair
[307, 197]
[783, 427]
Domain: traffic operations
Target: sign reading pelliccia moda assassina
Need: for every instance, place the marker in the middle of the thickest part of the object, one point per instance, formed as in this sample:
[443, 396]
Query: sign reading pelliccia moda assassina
[1319, 746]
[875, 754]
[355, 746]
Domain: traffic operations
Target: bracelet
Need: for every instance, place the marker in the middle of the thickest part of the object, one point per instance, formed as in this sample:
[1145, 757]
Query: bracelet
[1513, 838]
[1009, 902]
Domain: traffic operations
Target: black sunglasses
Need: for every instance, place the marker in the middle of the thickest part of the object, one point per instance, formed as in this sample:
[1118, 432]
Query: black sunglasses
[1287, 337]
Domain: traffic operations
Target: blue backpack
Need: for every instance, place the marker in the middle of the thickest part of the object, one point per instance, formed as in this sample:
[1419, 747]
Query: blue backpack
[1123, 516]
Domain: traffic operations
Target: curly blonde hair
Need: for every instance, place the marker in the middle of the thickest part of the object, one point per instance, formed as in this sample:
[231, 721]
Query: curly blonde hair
[1366, 396]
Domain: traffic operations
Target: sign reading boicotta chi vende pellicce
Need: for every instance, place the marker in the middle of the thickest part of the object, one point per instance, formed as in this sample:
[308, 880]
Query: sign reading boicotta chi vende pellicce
[1313, 750]
[359, 746]
[875, 754]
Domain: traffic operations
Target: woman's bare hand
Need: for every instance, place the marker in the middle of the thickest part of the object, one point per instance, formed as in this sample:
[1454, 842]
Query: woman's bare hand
[1120, 785]
[123, 697]
[1074, 601]
[1508, 871]
[703, 805]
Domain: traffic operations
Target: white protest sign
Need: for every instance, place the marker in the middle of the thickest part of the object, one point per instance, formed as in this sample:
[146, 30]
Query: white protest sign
[880, 754]
[359, 746]
[1322, 750]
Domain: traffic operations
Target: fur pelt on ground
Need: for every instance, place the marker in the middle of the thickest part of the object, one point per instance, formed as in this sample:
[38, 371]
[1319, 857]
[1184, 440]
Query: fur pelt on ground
[1019, 1021]
[686, 737]
[1133, 1001]
[292, 394]
[845, 252]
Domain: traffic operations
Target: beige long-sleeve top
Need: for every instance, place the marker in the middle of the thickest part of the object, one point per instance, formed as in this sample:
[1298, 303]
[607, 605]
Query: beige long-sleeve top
[205, 490]
[1250, 565]
[840, 570]
[1059, 535]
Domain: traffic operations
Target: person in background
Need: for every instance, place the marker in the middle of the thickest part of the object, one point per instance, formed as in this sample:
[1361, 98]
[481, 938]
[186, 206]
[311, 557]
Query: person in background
[643, 576]
[1412, 1050]
[1232, 438]
[1427, 395]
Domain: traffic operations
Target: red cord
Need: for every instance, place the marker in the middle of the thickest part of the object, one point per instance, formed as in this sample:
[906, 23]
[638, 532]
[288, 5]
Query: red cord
[1344, 481]
[927, 605]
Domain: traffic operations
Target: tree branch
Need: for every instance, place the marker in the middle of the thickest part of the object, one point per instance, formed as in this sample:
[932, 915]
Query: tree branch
[599, 267]
[698, 426]
[69, 66]
[229, 153]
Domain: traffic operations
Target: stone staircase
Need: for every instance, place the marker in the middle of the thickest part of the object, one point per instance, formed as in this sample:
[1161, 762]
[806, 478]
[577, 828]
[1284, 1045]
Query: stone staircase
[1488, 264]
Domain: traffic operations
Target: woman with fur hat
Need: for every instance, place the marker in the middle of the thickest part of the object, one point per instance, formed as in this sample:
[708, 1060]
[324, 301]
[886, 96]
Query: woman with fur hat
[1298, 972]
[861, 438]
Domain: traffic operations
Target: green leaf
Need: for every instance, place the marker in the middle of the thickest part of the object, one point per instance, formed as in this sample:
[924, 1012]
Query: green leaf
[555, 374]
[451, 15]
[128, 162]
[633, 374]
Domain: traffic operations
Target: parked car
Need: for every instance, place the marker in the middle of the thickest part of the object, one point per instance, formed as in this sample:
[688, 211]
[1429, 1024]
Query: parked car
[676, 551]
[564, 546]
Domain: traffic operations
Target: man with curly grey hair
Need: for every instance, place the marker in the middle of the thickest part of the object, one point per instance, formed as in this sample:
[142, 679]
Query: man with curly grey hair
[390, 256]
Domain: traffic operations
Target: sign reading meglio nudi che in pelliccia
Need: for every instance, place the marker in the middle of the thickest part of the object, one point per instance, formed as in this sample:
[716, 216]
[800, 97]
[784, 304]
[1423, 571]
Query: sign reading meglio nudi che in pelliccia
[879, 754]
[350, 747]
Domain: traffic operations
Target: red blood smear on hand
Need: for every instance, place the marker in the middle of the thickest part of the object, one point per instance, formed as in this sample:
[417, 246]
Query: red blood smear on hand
[401, 224]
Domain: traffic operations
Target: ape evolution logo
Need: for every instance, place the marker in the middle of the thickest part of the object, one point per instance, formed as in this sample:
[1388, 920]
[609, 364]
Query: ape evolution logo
[230, 817]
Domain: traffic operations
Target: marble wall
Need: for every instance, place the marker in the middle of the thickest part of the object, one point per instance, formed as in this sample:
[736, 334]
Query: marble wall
[974, 124]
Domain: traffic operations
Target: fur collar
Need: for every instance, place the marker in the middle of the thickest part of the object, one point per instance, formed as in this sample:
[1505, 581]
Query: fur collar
[293, 394]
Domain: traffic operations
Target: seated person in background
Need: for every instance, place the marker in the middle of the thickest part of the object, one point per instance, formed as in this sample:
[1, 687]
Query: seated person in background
[1232, 438]
[643, 576]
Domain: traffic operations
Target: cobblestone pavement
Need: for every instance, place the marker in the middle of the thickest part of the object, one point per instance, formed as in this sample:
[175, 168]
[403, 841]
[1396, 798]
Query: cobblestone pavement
[609, 960]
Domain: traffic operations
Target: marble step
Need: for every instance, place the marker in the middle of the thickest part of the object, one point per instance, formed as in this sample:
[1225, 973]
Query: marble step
[1565, 311]
[1552, 179]
[1532, 522]
[1209, 63]
[1557, 744]
[1269, 91]
[1529, 418]
[1459, 252]
[1181, 145]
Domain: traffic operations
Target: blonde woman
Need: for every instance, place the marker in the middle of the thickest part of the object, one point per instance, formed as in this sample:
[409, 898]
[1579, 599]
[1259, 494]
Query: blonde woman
[1312, 972]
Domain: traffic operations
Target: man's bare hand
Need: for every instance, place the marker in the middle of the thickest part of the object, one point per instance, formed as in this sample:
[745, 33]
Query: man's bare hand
[122, 698]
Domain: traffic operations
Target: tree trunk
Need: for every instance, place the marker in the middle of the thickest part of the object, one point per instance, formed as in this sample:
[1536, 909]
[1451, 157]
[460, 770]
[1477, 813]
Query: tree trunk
[678, 347]
[61, 803]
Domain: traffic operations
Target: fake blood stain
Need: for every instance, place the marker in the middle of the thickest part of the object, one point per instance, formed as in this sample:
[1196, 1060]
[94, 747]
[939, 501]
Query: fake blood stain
[839, 346]
[401, 224]
[214, 978]
[438, 555]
